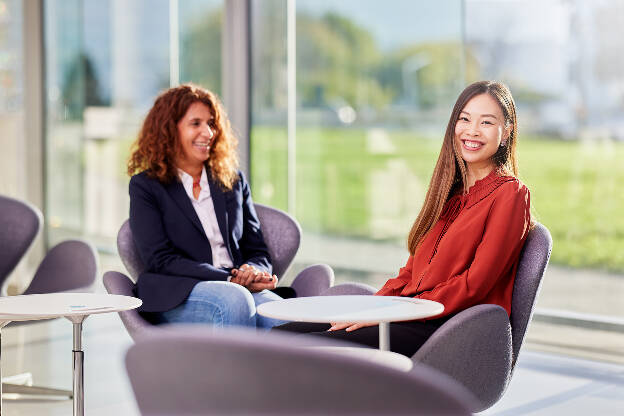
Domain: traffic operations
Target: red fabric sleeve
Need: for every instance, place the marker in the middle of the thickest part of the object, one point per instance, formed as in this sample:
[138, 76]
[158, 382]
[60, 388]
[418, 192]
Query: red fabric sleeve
[394, 286]
[505, 232]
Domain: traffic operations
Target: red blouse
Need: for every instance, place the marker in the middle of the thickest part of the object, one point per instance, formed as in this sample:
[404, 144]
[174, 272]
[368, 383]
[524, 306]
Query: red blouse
[471, 255]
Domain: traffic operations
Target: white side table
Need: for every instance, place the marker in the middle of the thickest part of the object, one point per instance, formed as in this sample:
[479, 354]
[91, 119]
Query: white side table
[356, 308]
[73, 306]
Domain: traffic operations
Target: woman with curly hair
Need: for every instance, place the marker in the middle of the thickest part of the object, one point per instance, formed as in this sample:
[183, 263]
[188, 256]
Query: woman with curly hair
[193, 219]
[465, 244]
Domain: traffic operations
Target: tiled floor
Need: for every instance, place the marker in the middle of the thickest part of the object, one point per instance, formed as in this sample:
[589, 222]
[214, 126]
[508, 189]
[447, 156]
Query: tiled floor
[547, 384]
[544, 384]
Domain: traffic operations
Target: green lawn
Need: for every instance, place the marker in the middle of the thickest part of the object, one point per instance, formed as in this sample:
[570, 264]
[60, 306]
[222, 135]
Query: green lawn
[575, 192]
[347, 187]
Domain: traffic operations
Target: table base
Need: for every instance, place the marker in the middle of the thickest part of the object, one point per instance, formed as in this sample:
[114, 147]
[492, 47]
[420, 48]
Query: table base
[78, 382]
[78, 367]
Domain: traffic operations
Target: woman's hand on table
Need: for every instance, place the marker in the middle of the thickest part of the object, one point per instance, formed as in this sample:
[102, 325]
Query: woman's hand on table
[350, 326]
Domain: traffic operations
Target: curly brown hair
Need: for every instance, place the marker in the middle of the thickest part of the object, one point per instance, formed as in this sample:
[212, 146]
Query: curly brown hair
[157, 146]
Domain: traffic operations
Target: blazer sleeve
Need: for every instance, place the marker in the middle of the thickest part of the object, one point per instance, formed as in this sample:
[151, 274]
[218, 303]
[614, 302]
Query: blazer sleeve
[253, 248]
[506, 230]
[155, 248]
[394, 286]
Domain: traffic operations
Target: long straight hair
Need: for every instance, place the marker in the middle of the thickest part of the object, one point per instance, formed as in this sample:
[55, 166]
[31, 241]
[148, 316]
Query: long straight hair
[450, 170]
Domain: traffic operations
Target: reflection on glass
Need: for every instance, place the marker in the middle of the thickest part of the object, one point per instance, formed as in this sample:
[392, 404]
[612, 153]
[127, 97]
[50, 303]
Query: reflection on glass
[200, 23]
[371, 93]
[269, 98]
[12, 168]
[65, 80]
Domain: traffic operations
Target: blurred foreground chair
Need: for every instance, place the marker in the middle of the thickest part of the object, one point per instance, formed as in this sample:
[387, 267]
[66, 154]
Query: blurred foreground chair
[479, 346]
[282, 236]
[69, 266]
[238, 371]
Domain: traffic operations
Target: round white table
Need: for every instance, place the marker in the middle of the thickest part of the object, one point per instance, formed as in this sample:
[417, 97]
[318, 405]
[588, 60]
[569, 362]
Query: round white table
[353, 308]
[73, 306]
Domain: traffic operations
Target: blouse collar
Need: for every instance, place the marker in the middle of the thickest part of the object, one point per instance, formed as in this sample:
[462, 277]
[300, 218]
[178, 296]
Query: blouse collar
[481, 189]
[187, 183]
[484, 187]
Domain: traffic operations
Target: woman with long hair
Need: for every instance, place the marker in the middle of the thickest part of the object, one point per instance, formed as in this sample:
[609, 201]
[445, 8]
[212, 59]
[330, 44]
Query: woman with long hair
[465, 243]
[193, 219]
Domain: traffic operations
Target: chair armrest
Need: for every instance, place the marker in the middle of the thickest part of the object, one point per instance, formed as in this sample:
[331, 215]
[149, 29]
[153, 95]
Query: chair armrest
[350, 289]
[313, 280]
[474, 348]
[119, 284]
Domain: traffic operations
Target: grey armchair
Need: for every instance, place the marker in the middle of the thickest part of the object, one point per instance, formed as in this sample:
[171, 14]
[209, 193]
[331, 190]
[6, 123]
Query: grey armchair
[69, 266]
[20, 223]
[282, 236]
[238, 371]
[479, 346]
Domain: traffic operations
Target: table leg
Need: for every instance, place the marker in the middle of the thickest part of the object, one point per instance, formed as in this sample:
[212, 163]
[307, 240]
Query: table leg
[0, 370]
[2, 324]
[78, 367]
[384, 336]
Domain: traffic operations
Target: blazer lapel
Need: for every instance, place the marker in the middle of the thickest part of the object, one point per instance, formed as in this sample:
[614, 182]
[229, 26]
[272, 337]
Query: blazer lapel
[178, 194]
[218, 200]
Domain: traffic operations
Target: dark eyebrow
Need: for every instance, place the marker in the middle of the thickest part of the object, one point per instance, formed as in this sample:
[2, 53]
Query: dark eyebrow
[194, 119]
[489, 115]
[482, 115]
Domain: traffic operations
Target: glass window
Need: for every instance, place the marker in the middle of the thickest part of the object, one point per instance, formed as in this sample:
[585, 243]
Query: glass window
[200, 26]
[106, 62]
[374, 88]
[566, 73]
[269, 103]
[375, 84]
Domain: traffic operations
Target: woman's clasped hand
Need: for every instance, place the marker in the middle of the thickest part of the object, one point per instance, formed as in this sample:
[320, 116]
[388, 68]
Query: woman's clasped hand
[254, 279]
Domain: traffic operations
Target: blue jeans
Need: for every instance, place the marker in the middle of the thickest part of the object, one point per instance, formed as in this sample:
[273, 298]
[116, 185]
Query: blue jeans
[222, 304]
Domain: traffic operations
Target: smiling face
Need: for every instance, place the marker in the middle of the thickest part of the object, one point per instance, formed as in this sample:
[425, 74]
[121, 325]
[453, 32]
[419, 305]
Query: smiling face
[479, 132]
[196, 132]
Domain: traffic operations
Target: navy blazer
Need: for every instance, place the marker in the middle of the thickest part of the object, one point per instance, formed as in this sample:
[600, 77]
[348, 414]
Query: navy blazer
[173, 245]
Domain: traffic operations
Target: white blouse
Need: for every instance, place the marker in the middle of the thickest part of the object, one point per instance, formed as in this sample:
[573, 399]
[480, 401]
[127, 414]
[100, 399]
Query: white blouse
[204, 208]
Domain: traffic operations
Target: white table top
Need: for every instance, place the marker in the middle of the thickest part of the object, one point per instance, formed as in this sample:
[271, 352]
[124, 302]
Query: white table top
[54, 305]
[358, 308]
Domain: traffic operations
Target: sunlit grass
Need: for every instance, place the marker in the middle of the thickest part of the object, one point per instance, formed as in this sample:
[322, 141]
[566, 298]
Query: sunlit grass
[576, 193]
